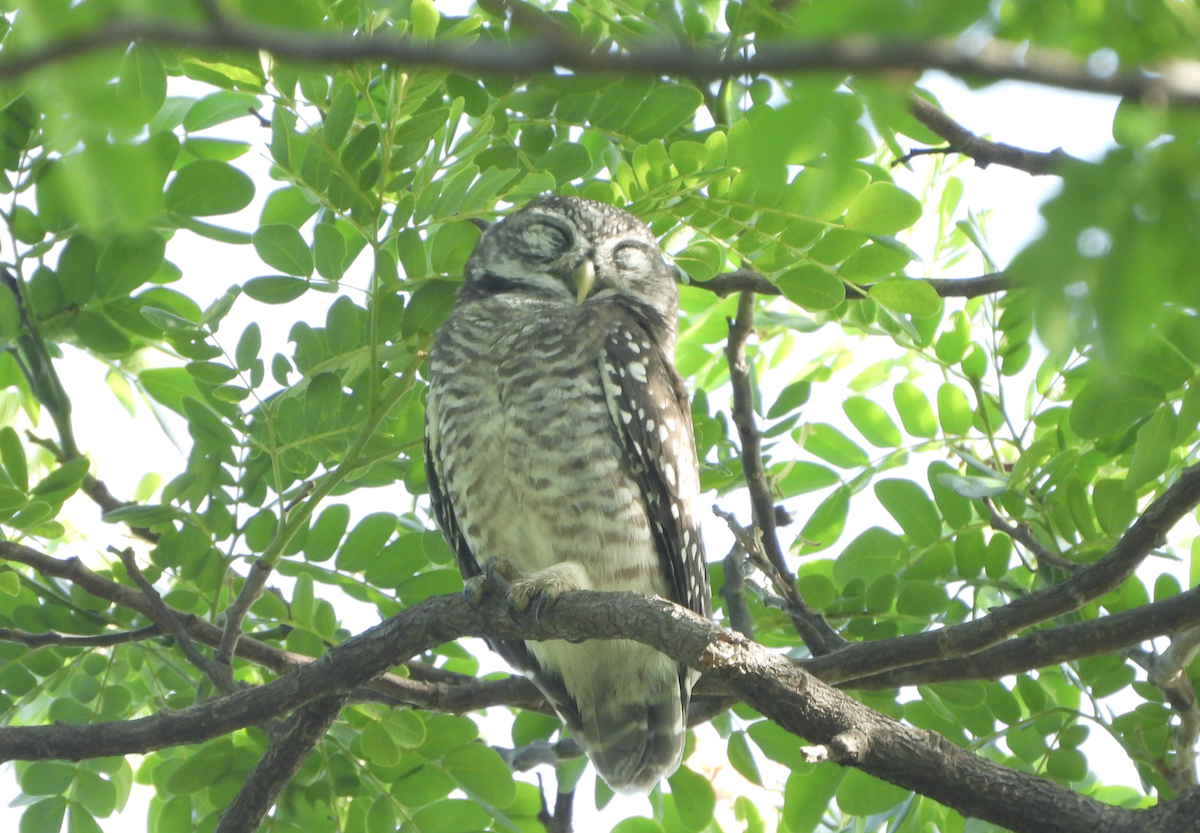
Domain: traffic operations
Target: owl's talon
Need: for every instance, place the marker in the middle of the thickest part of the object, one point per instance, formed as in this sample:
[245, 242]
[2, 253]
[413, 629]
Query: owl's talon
[539, 606]
[499, 574]
[473, 591]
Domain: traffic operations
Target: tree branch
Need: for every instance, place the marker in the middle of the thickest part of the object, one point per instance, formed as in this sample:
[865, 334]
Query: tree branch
[33, 641]
[1170, 83]
[1022, 534]
[172, 622]
[1039, 649]
[770, 683]
[430, 689]
[983, 151]
[747, 280]
[290, 744]
[1084, 585]
[812, 627]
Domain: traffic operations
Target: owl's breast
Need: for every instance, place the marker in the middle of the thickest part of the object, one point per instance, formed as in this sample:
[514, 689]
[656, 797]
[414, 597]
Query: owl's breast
[532, 461]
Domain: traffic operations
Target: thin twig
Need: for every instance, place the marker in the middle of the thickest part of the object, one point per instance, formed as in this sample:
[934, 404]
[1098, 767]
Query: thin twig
[734, 594]
[1022, 534]
[982, 151]
[1168, 673]
[812, 627]
[33, 641]
[169, 620]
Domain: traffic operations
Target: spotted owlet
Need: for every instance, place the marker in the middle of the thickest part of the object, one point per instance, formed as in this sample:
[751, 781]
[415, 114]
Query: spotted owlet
[558, 440]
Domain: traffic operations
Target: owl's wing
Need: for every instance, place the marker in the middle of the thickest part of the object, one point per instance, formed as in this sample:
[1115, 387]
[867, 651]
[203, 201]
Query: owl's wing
[514, 652]
[649, 405]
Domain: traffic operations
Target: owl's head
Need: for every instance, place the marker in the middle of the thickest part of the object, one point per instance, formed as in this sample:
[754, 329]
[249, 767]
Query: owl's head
[576, 250]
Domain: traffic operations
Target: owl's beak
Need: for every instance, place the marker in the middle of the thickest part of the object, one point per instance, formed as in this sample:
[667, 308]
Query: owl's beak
[584, 278]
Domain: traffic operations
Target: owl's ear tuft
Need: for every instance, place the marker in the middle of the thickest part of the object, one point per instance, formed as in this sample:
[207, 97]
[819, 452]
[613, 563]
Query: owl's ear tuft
[479, 223]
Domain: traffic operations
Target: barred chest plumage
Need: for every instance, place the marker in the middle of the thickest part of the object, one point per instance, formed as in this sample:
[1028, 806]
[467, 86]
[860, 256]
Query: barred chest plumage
[529, 438]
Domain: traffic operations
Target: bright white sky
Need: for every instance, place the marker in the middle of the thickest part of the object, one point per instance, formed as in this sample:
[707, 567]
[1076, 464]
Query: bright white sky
[124, 449]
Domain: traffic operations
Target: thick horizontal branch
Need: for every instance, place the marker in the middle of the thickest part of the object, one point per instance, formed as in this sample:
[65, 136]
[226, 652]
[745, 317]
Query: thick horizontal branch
[770, 683]
[1172, 83]
[1084, 585]
[424, 689]
[982, 151]
[1040, 649]
[747, 280]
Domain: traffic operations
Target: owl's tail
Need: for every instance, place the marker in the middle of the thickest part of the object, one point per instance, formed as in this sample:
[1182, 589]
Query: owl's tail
[634, 745]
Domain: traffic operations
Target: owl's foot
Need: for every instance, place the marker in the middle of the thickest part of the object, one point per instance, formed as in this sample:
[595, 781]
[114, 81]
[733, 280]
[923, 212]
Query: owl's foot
[542, 590]
[497, 577]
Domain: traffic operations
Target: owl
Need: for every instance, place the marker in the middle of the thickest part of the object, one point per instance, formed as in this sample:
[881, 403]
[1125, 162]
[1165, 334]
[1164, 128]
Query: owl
[558, 441]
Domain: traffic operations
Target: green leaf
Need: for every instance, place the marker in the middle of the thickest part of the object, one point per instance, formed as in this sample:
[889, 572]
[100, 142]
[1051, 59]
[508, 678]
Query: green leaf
[142, 515]
[408, 729]
[973, 486]
[361, 147]
[480, 771]
[907, 295]
[42, 816]
[329, 251]
[801, 477]
[882, 208]
[694, 798]
[1115, 506]
[700, 260]
[565, 162]
[954, 410]
[365, 541]
[12, 454]
[872, 421]
[1111, 403]
[169, 385]
[873, 554]
[428, 308]
[127, 262]
[861, 794]
[281, 247]
[832, 446]
[915, 412]
[812, 288]
[827, 521]
[275, 289]
[664, 109]
[913, 510]
[10, 316]
[806, 796]
[451, 246]
[327, 532]
[740, 756]
[212, 373]
[451, 816]
[248, 346]
[637, 824]
[425, 19]
[378, 745]
[217, 108]
[143, 81]
[342, 329]
[340, 114]
[46, 778]
[96, 332]
[205, 187]
[1152, 451]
